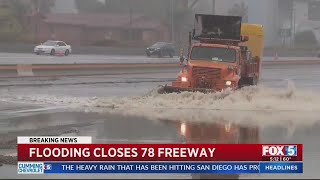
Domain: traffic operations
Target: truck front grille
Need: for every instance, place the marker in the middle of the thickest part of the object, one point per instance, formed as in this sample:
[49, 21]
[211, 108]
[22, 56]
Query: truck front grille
[208, 73]
[204, 77]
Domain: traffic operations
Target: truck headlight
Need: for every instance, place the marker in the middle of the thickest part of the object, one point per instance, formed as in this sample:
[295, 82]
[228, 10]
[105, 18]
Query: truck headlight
[228, 83]
[184, 79]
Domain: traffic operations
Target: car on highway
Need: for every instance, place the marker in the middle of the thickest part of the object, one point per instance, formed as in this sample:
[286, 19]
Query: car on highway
[53, 48]
[161, 49]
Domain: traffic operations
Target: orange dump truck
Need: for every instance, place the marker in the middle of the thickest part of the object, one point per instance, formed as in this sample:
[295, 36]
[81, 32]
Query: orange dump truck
[223, 53]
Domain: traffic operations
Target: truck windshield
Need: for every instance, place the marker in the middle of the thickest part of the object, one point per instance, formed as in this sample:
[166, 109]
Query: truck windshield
[213, 54]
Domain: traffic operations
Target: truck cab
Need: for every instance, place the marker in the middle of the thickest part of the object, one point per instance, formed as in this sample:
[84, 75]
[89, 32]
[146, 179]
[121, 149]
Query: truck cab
[222, 54]
[210, 66]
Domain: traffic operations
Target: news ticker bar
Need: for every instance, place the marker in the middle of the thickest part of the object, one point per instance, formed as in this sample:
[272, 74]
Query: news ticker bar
[159, 152]
[160, 167]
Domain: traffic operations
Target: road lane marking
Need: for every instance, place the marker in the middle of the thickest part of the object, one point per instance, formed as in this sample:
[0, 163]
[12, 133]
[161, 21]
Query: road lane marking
[35, 110]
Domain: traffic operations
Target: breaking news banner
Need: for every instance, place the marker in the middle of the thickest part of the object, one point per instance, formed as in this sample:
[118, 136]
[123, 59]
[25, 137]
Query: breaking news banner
[77, 154]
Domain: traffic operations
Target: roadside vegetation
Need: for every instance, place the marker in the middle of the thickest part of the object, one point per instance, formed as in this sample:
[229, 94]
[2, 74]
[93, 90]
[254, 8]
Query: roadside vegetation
[12, 18]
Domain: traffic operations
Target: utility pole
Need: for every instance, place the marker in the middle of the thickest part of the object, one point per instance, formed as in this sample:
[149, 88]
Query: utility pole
[130, 31]
[292, 24]
[36, 9]
[172, 21]
[213, 6]
[35, 6]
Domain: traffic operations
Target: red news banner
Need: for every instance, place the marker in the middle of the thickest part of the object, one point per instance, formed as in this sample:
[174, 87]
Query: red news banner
[159, 152]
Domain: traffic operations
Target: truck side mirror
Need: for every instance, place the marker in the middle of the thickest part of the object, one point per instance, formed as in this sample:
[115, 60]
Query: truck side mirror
[181, 58]
[244, 38]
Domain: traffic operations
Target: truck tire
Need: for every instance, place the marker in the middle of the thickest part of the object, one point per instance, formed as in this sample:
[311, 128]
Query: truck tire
[253, 81]
[160, 54]
[241, 83]
[248, 81]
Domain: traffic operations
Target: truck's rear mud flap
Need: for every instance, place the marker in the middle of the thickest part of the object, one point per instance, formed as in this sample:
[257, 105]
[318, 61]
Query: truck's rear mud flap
[170, 89]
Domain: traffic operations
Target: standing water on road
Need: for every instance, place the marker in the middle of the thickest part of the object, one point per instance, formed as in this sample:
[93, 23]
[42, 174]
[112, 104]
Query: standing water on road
[256, 104]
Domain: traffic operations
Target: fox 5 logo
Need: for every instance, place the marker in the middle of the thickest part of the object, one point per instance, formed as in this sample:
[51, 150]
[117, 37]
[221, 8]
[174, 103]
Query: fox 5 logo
[276, 150]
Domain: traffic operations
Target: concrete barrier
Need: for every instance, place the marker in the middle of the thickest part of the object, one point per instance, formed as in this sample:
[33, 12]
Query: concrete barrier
[79, 69]
[24, 70]
[67, 69]
[291, 62]
[28, 48]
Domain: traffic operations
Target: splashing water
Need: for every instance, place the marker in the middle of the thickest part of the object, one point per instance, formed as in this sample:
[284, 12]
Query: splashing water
[256, 104]
[255, 98]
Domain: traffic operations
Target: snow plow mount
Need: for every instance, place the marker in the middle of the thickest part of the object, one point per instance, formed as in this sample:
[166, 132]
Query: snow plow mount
[170, 89]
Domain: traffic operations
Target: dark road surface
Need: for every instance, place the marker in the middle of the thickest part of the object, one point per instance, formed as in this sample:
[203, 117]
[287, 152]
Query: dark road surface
[24, 110]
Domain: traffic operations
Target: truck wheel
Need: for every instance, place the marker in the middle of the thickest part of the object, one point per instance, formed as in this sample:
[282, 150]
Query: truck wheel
[240, 83]
[251, 81]
[160, 55]
[247, 81]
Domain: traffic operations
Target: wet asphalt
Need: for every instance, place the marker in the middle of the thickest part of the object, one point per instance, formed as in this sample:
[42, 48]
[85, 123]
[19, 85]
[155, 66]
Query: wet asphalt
[21, 118]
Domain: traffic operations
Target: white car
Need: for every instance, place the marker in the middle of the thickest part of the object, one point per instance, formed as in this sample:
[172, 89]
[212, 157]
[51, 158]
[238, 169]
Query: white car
[52, 48]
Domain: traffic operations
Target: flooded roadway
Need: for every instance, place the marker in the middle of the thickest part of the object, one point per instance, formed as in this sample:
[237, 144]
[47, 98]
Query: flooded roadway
[20, 115]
